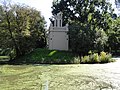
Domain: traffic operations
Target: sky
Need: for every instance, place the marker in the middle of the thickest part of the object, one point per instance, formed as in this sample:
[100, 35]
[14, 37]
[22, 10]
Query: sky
[45, 7]
[114, 6]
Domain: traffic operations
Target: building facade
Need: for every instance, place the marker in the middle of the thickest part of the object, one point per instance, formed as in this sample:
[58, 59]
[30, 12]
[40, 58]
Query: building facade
[57, 36]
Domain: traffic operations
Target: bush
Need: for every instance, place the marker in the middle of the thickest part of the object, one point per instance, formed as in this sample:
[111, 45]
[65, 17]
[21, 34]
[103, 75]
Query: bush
[76, 60]
[8, 52]
[105, 58]
[85, 59]
[95, 58]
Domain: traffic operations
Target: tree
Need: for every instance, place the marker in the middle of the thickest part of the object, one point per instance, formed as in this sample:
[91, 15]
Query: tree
[83, 11]
[83, 39]
[29, 26]
[7, 24]
[86, 19]
[114, 35]
[21, 28]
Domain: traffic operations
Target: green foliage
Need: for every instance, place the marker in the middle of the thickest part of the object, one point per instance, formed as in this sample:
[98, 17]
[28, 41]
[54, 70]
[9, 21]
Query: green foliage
[44, 56]
[4, 57]
[101, 39]
[83, 39]
[85, 11]
[114, 35]
[95, 58]
[105, 58]
[8, 52]
[85, 59]
[21, 28]
[88, 22]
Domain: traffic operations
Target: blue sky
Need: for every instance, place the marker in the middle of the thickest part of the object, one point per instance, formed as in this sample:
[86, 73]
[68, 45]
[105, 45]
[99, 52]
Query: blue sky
[45, 7]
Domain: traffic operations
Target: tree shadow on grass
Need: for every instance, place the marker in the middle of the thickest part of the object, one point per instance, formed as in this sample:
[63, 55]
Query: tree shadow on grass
[44, 63]
[41, 56]
[21, 63]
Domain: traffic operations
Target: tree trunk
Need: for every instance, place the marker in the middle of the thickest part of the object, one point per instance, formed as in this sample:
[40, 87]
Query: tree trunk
[18, 52]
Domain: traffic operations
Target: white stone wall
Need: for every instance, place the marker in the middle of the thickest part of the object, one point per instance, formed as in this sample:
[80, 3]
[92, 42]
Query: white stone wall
[58, 37]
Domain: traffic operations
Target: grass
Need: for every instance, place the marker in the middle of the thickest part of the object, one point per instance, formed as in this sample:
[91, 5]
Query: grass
[59, 77]
[44, 56]
[19, 78]
[37, 76]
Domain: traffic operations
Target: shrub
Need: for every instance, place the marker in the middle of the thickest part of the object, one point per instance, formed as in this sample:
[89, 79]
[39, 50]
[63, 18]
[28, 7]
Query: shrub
[95, 58]
[85, 59]
[8, 52]
[76, 60]
[105, 58]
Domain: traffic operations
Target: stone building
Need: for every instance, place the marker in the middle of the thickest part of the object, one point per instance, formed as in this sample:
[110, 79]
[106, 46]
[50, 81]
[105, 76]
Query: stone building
[57, 35]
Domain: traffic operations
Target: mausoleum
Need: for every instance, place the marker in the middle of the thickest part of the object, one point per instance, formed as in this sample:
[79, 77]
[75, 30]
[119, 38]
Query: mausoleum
[58, 34]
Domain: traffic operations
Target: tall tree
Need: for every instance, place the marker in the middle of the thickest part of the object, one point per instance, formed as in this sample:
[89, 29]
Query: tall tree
[29, 27]
[83, 11]
[8, 18]
[114, 35]
[89, 21]
[22, 28]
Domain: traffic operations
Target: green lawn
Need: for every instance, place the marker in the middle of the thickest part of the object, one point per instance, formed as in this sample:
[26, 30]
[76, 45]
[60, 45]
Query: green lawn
[45, 56]
[60, 77]
[31, 75]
